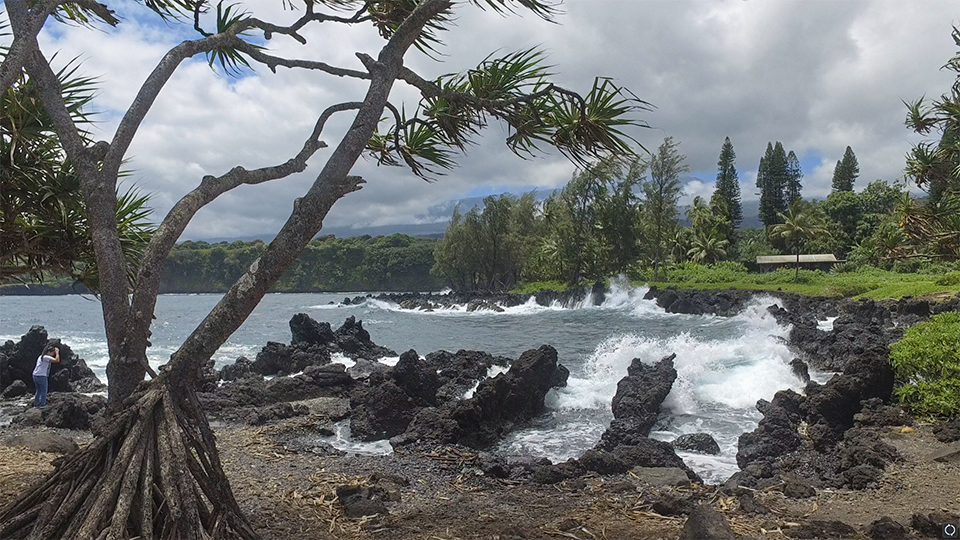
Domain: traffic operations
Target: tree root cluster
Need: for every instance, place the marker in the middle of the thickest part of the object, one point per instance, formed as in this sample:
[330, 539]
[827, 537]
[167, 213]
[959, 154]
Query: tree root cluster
[153, 473]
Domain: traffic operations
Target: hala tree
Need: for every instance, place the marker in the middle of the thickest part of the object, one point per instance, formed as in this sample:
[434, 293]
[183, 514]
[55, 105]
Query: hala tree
[935, 164]
[933, 228]
[43, 223]
[846, 171]
[154, 471]
[728, 183]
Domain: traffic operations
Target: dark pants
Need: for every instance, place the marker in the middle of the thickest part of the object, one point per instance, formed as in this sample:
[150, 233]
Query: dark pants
[40, 396]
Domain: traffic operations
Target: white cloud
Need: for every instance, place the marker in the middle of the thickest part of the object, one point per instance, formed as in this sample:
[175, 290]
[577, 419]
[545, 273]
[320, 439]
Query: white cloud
[817, 76]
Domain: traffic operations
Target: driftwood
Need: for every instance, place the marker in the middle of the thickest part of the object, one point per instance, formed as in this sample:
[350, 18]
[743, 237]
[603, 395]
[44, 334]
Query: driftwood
[153, 473]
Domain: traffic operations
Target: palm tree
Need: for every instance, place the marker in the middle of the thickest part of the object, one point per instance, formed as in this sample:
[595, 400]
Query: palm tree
[682, 242]
[802, 222]
[708, 246]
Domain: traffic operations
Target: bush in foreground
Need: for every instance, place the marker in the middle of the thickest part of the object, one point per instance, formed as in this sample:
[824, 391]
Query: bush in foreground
[927, 364]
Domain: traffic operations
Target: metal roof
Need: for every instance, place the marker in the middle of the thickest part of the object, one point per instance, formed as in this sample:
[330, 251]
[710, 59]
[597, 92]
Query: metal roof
[785, 259]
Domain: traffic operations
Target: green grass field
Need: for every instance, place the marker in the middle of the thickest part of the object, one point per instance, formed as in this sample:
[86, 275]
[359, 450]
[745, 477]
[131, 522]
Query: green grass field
[862, 283]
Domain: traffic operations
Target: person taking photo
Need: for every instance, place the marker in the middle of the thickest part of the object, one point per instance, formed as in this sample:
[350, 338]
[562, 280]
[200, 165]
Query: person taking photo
[50, 355]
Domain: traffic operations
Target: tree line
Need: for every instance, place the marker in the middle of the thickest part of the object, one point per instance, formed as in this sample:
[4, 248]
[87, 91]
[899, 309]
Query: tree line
[622, 216]
[360, 263]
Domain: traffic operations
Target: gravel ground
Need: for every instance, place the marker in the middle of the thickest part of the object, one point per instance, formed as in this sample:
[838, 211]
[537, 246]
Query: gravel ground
[442, 496]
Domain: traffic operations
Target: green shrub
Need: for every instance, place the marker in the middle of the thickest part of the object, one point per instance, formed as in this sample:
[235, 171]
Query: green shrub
[537, 286]
[937, 268]
[938, 398]
[786, 275]
[908, 266]
[953, 278]
[927, 364]
[721, 272]
[848, 289]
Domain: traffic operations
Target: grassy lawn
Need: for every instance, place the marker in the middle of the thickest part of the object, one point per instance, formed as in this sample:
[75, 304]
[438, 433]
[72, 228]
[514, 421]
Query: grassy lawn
[876, 290]
[862, 283]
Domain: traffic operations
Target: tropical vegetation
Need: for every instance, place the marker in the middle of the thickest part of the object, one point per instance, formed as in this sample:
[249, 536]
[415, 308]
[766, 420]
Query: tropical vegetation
[927, 366]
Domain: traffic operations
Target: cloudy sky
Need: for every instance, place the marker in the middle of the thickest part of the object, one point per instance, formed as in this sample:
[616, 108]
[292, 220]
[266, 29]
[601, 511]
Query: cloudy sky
[816, 75]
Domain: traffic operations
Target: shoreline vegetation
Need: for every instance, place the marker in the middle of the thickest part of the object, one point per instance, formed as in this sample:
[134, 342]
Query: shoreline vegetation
[866, 282]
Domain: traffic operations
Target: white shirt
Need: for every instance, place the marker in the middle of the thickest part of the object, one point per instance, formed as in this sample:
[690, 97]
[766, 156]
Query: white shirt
[43, 366]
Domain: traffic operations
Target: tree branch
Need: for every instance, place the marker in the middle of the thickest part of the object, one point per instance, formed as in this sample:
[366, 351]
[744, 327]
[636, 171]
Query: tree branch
[273, 61]
[49, 89]
[24, 22]
[308, 214]
[151, 89]
[151, 266]
[310, 16]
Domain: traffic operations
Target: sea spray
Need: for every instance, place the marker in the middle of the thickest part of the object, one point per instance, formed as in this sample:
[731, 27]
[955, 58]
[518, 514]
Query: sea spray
[725, 363]
[723, 368]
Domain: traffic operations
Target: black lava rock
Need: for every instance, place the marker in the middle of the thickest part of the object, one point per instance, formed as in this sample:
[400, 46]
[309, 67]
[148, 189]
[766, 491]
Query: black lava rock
[702, 443]
[636, 404]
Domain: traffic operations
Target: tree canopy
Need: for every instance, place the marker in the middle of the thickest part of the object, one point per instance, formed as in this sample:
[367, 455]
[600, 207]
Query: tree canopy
[662, 192]
[801, 223]
[772, 181]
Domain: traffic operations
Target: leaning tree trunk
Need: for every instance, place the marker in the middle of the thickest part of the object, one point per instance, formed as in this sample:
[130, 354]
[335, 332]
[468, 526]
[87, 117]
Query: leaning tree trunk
[153, 472]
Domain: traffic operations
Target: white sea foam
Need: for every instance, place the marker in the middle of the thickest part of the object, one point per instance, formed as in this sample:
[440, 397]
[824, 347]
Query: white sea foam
[340, 358]
[341, 440]
[389, 360]
[330, 306]
[620, 296]
[719, 380]
[492, 371]
[827, 324]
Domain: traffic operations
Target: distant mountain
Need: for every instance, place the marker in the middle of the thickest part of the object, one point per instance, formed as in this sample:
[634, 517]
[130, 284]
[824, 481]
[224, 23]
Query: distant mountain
[433, 222]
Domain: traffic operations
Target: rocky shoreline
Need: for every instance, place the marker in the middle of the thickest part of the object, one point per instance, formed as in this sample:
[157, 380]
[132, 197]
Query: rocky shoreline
[835, 436]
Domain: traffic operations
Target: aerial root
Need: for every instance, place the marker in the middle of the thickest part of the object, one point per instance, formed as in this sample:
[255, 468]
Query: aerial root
[153, 473]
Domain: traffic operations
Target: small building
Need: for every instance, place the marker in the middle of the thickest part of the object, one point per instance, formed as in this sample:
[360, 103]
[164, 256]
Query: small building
[820, 261]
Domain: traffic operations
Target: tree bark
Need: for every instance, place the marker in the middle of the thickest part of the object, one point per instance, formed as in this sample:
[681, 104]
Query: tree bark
[307, 217]
[154, 472]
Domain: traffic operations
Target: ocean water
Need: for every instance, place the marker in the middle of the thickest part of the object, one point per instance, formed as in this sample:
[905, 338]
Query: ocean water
[724, 364]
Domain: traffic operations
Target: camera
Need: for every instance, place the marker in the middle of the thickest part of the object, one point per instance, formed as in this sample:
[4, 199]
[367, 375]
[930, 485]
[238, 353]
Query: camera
[949, 530]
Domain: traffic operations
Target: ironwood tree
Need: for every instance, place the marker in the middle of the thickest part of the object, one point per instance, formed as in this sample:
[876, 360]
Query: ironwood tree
[661, 195]
[153, 471]
[792, 189]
